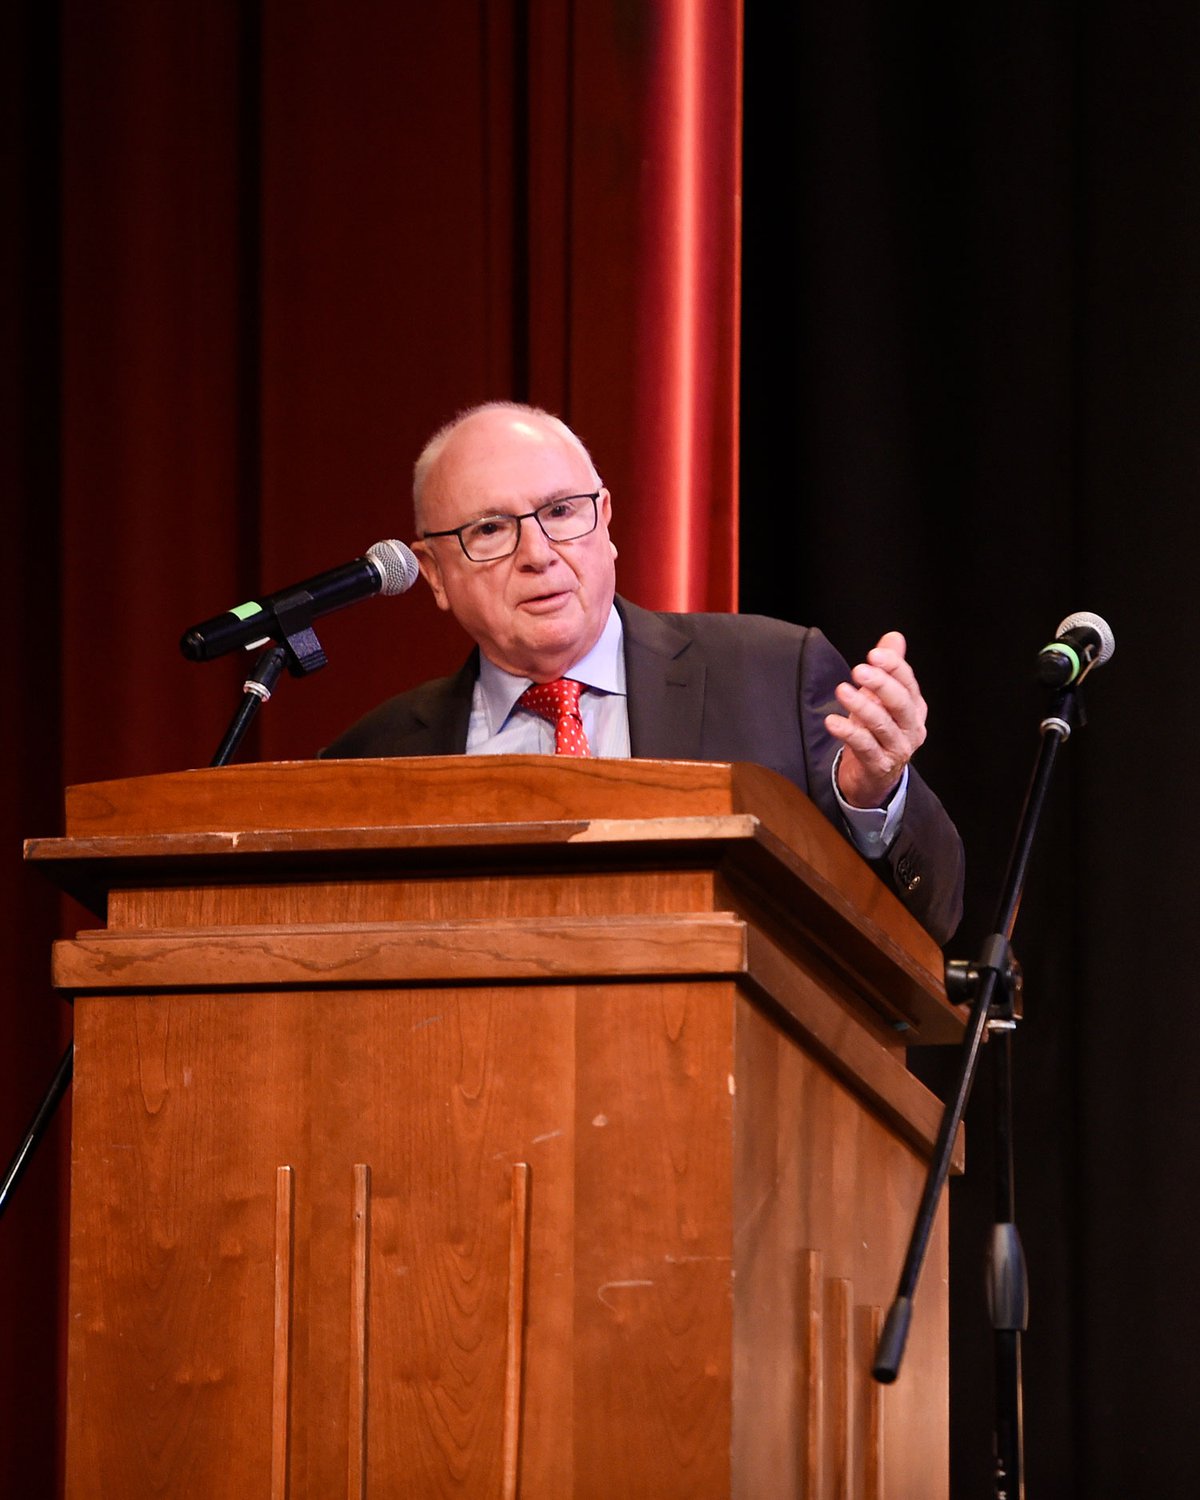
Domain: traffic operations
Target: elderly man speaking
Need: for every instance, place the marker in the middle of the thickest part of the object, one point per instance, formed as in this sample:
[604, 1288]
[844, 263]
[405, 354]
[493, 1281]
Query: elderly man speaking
[512, 520]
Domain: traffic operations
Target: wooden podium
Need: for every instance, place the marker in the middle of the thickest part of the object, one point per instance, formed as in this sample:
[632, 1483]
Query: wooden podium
[491, 1127]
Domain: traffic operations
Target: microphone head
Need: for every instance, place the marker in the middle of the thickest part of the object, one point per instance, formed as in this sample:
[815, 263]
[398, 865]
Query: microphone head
[397, 565]
[1083, 620]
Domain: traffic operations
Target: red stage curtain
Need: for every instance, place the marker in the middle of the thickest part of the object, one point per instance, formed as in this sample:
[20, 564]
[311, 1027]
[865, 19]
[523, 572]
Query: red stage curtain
[654, 318]
[294, 238]
[494, 201]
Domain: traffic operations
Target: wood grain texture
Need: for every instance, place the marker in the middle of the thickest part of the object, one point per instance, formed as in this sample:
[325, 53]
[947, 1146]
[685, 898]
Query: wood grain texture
[653, 1254]
[180, 1256]
[810, 1371]
[281, 1385]
[699, 1090]
[360, 1292]
[837, 1362]
[466, 1088]
[255, 846]
[619, 1095]
[514, 1370]
[816, 1171]
[318, 812]
[871, 1399]
[831, 1027]
[365, 793]
[436, 1090]
[373, 953]
[418, 895]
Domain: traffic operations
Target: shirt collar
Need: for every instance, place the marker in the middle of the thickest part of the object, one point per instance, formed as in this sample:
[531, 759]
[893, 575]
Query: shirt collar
[602, 668]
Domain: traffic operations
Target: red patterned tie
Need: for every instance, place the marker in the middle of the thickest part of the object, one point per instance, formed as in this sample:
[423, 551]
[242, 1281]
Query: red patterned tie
[558, 703]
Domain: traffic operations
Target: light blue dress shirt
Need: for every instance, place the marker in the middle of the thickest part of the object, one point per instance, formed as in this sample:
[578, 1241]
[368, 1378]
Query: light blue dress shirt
[498, 727]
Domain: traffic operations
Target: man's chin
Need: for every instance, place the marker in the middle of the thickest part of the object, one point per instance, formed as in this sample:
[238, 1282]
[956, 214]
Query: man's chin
[549, 645]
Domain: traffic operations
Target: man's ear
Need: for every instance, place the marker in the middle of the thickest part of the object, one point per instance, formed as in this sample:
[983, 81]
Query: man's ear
[606, 514]
[431, 571]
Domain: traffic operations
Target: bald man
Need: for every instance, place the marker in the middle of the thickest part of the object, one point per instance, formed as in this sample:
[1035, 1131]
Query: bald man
[512, 520]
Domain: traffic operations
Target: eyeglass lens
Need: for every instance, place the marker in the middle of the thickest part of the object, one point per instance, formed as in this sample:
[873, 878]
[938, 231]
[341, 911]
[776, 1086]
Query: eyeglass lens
[562, 521]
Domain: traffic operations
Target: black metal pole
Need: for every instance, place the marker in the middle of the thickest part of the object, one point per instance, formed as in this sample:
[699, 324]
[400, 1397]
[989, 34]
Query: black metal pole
[38, 1126]
[890, 1350]
[994, 970]
[1008, 1295]
[256, 690]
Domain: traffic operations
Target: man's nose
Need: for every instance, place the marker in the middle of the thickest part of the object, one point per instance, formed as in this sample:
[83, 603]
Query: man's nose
[534, 548]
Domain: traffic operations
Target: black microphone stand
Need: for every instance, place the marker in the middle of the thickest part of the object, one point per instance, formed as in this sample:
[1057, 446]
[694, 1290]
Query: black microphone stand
[992, 985]
[256, 690]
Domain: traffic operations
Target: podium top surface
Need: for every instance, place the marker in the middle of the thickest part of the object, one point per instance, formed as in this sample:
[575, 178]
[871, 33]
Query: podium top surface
[369, 815]
[434, 791]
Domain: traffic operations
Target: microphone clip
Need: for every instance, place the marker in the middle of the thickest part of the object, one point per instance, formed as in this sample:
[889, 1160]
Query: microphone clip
[292, 620]
[963, 977]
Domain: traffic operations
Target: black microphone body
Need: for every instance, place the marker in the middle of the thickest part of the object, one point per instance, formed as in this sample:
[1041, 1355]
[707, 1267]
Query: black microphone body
[388, 567]
[1081, 642]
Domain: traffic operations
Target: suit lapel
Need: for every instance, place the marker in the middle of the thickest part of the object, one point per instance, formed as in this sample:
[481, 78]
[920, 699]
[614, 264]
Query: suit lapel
[664, 679]
[440, 714]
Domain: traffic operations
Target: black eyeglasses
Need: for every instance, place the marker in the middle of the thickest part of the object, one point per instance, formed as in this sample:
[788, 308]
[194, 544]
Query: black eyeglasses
[492, 537]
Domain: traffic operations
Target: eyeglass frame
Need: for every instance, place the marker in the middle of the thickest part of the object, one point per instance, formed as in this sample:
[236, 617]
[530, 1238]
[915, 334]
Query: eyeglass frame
[529, 515]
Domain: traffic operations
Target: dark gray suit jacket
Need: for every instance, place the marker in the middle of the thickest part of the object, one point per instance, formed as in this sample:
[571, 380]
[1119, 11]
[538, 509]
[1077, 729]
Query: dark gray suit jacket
[714, 687]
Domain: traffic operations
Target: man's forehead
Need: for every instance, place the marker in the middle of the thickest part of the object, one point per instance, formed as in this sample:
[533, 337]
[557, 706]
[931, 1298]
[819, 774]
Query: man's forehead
[514, 469]
[501, 431]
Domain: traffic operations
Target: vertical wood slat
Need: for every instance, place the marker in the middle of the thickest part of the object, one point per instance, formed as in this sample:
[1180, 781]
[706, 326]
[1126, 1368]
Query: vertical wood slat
[809, 1393]
[873, 1409]
[281, 1391]
[356, 1485]
[518, 1275]
[837, 1350]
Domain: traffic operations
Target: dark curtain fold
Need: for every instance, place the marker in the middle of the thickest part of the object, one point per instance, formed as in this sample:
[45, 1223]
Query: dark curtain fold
[970, 364]
[34, 1026]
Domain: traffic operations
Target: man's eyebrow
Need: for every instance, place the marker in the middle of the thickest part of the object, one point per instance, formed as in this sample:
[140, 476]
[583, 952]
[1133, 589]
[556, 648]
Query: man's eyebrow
[531, 505]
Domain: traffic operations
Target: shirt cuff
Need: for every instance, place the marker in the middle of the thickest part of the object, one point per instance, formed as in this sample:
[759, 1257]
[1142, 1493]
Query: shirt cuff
[872, 830]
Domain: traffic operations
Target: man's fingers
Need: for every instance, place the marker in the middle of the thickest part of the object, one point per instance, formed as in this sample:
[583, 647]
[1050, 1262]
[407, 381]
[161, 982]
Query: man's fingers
[899, 690]
[898, 733]
[892, 640]
[866, 745]
[855, 737]
[885, 719]
[873, 691]
[888, 664]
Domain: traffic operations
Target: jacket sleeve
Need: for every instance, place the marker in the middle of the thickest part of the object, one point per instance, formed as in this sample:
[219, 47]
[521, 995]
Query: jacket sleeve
[924, 864]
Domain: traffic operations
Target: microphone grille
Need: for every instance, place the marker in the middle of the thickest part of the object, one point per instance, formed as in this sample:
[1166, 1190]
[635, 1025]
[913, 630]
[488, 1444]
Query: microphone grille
[1102, 628]
[397, 564]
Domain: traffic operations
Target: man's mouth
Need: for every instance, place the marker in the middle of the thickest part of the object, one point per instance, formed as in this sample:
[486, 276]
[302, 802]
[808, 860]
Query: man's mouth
[539, 603]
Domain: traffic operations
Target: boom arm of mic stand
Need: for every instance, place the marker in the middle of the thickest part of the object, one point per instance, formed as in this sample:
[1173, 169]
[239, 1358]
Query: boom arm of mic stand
[892, 1340]
[994, 970]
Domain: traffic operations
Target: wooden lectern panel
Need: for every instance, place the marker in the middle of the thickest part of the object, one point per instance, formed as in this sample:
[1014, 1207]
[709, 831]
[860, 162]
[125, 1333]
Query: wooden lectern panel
[577, 1163]
[626, 1106]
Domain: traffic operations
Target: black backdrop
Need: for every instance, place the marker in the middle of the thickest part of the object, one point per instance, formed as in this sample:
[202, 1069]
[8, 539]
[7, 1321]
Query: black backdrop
[971, 331]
